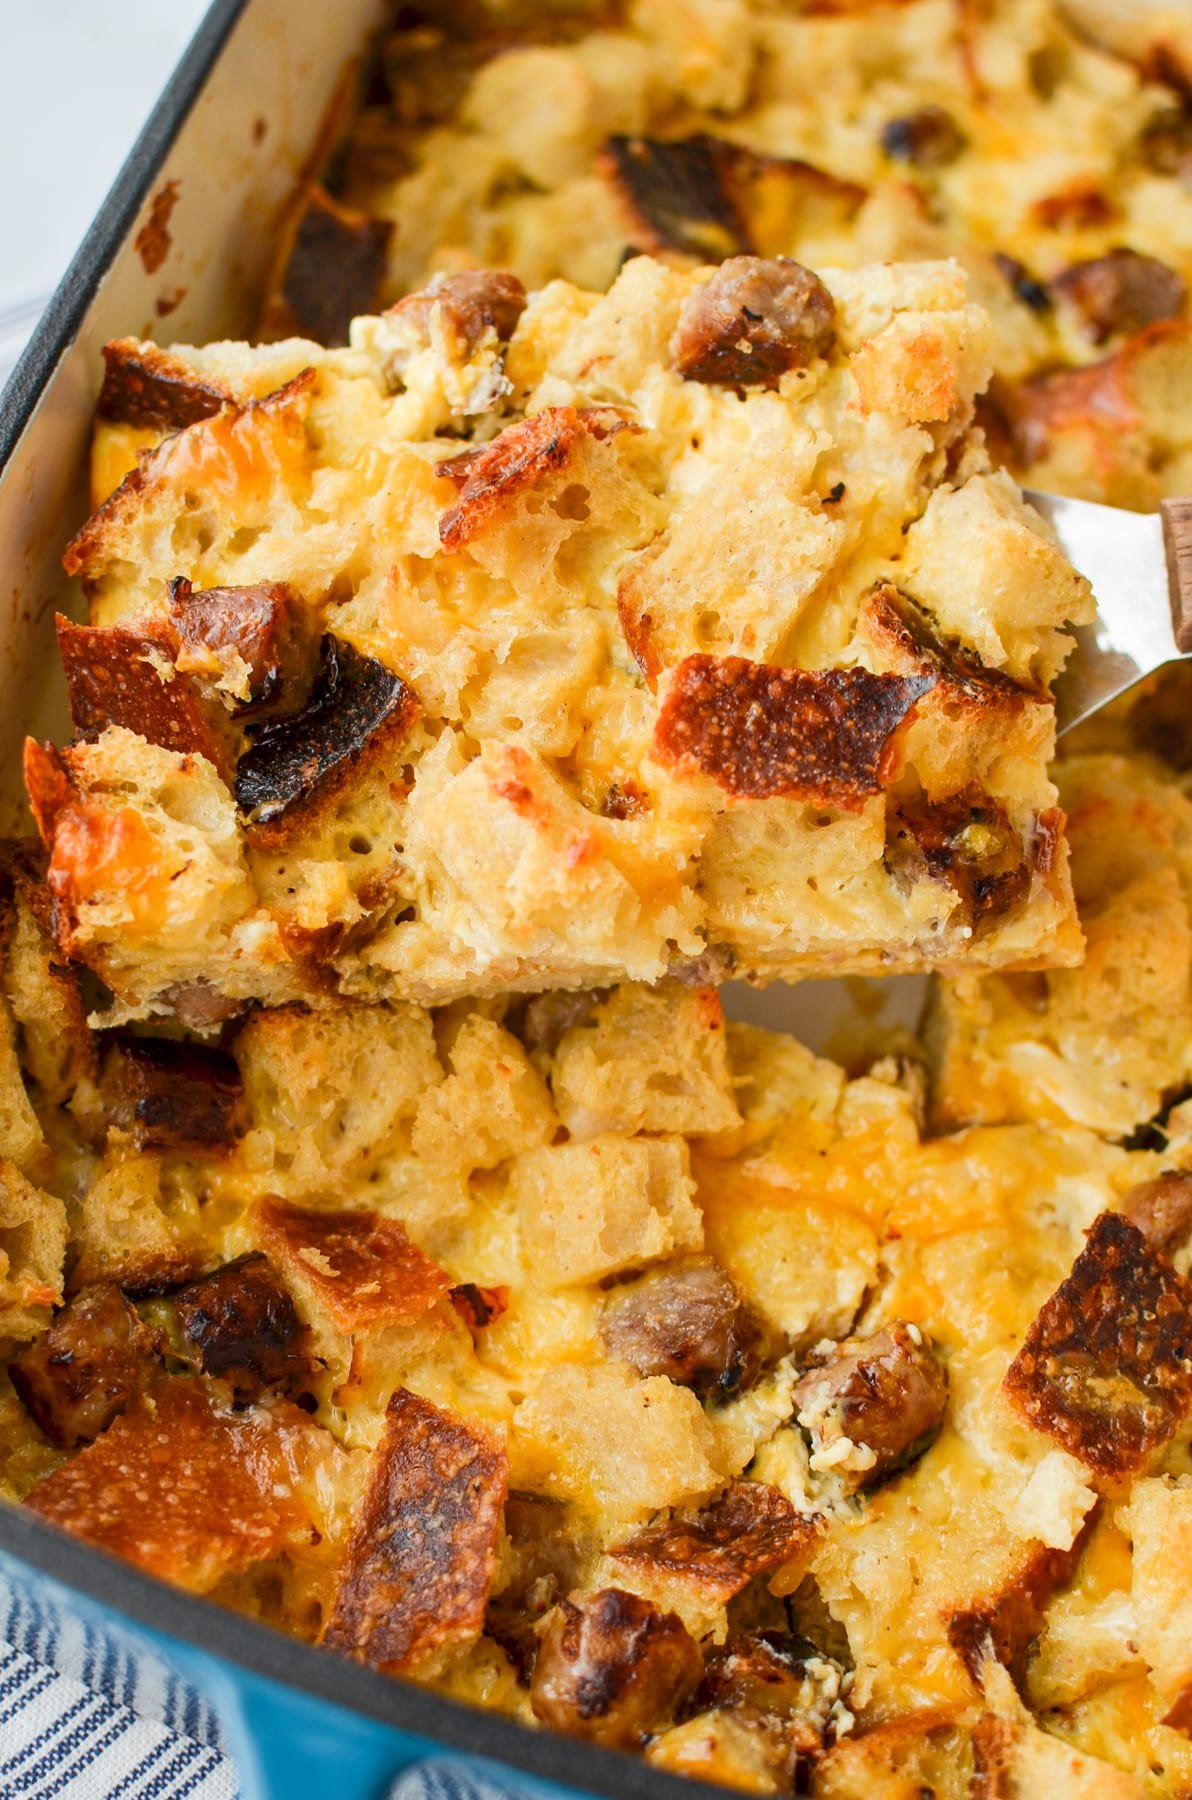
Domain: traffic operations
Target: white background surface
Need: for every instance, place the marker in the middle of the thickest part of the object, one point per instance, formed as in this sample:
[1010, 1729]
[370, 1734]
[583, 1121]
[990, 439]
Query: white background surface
[77, 81]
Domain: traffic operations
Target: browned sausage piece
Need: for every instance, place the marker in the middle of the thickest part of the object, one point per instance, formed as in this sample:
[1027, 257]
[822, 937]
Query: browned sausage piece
[686, 1320]
[77, 1376]
[885, 1394]
[469, 305]
[755, 319]
[930, 138]
[1162, 1209]
[263, 634]
[243, 1326]
[1121, 291]
[612, 1667]
[170, 1095]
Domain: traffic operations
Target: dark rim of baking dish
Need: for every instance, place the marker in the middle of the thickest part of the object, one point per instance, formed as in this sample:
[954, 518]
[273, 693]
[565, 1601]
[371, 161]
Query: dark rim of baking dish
[224, 1635]
[233, 1638]
[60, 322]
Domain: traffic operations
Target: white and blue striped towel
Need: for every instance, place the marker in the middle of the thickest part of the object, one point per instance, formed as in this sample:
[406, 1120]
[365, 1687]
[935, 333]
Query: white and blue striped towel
[87, 1714]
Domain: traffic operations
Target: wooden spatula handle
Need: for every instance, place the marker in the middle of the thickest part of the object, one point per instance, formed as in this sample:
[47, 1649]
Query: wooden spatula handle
[1177, 541]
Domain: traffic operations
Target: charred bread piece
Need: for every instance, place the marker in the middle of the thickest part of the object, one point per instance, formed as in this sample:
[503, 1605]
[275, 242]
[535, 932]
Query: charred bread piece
[674, 196]
[80, 1374]
[1106, 1368]
[145, 386]
[242, 1327]
[418, 1570]
[750, 1530]
[612, 1668]
[124, 676]
[333, 269]
[358, 711]
[185, 1487]
[169, 1094]
[763, 733]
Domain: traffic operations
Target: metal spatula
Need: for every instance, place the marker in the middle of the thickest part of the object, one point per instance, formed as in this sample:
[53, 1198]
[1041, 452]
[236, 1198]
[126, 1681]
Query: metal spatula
[1140, 567]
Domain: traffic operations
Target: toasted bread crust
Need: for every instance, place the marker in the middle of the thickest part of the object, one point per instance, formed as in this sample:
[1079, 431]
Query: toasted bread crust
[828, 736]
[362, 1268]
[750, 1530]
[183, 1486]
[170, 1095]
[145, 385]
[420, 1564]
[1106, 1368]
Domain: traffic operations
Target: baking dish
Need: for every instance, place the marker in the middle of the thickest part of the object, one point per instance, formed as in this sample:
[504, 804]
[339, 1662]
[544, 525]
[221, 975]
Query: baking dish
[184, 237]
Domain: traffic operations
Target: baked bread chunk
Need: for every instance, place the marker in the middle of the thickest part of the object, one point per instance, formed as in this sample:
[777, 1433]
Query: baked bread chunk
[1047, 149]
[1108, 1044]
[419, 669]
[635, 1373]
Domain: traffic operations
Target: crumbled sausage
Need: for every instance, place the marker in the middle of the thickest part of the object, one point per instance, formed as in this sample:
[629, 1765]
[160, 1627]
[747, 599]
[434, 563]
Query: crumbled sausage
[874, 1405]
[752, 321]
[77, 1376]
[469, 305]
[766, 1670]
[612, 1667]
[930, 138]
[1121, 292]
[257, 643]
[242, 1325]
[1162, 1209]
[685, 1320]
[546, 1551]
[967, 842]
[782, 1689]
[169, 1095]
[547, 1017]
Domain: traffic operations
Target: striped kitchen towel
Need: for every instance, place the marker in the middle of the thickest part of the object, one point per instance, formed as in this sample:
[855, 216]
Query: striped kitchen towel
[86, 1715]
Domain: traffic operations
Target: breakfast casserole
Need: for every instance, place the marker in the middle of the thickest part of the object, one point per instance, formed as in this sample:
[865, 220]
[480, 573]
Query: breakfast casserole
[608, 576]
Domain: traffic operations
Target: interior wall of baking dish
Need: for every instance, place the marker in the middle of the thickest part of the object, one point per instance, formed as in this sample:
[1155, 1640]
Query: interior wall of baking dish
[217, 195]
